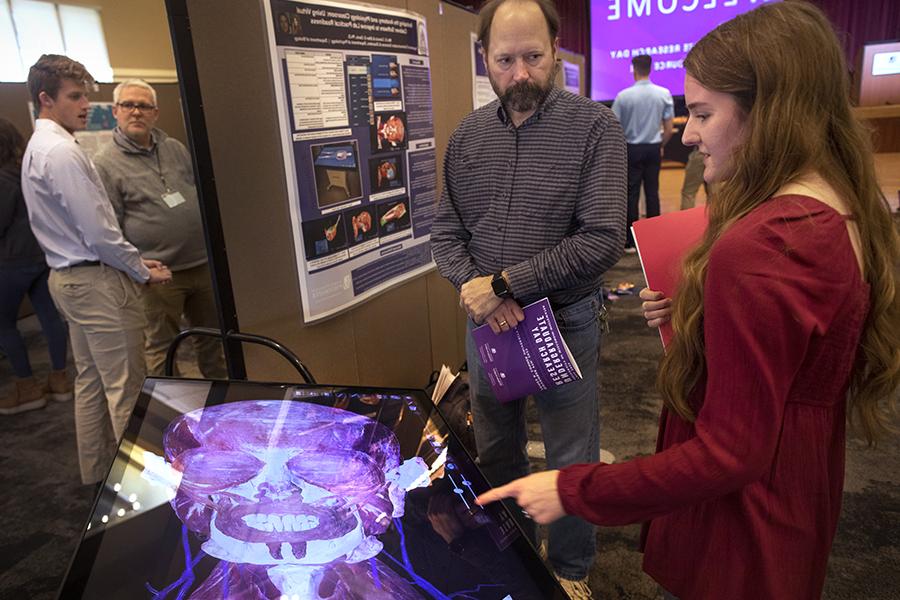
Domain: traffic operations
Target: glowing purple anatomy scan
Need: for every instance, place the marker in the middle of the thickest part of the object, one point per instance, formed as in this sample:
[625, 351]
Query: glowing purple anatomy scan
[291, 498]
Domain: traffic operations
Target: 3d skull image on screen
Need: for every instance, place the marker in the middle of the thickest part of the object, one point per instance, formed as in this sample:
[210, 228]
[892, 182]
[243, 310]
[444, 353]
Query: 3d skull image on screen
[290, 496]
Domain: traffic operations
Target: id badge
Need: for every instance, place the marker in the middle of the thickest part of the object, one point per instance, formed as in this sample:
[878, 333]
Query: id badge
[173, 199]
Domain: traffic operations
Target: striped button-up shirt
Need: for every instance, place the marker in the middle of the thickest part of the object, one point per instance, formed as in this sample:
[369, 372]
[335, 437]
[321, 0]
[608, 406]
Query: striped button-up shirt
[544, 201]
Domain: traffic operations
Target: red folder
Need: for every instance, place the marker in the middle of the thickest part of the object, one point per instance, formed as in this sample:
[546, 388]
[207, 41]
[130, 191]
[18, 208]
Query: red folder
[662, 243]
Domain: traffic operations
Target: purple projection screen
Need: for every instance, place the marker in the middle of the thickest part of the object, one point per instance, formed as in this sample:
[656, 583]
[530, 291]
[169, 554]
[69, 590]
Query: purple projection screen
[664, 29]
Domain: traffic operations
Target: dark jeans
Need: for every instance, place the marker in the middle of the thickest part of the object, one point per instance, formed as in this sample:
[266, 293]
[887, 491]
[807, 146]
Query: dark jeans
[643, 167]
[570, 426]
[15, 282]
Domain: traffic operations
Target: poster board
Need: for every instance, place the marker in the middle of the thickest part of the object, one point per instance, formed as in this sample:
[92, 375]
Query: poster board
[571, 74]
[353, 93]
[482, 92]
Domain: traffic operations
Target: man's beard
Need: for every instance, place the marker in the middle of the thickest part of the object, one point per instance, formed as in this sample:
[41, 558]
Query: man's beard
[526, 96]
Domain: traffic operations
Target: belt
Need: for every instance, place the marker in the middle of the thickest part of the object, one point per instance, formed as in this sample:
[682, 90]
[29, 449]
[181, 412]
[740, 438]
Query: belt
[84, 263]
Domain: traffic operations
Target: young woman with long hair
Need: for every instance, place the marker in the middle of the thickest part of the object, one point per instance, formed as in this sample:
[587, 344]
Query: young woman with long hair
[24, 271]
[787, 325]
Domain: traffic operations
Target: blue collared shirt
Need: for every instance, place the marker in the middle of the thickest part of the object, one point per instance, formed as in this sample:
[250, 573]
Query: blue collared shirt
[641, 109]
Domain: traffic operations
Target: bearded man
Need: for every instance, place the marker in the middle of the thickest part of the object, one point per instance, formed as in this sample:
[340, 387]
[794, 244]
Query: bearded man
[534, 205]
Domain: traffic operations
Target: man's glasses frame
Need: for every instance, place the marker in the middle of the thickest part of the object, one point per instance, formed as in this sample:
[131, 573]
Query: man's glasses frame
[140, 107]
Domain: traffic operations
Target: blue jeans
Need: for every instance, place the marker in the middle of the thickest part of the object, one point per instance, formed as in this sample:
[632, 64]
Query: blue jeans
[570, 425]
[15, 282]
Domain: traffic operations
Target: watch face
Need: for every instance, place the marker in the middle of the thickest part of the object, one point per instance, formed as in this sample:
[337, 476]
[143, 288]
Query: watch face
[499, 286]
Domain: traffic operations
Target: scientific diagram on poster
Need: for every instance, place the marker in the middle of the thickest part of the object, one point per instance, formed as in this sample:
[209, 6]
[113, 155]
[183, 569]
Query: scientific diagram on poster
[353, 87]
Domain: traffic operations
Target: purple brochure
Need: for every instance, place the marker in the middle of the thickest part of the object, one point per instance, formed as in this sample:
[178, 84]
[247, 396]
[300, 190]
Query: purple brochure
[529, 358]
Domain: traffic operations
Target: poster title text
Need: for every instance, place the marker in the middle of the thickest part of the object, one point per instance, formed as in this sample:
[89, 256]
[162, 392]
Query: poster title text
[330, 18]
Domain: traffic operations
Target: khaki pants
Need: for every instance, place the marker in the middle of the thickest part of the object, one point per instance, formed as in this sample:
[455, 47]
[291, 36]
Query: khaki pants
[693, 177]
[189, 293]
[106, 325]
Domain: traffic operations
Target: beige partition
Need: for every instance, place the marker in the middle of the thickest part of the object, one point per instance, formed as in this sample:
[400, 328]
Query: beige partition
[395, 339]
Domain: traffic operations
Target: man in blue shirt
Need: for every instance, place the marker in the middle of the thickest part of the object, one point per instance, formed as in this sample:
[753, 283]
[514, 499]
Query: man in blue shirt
[641, 109]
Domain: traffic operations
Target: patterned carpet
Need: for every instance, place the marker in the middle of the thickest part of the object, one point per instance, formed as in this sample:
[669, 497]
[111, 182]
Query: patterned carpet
[44, 506]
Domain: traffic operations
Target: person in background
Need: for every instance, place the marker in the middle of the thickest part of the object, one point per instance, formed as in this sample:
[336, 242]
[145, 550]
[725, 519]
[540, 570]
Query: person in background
[693, 177]
[786, 324]
[509, 231]
[149, 180]
[96, 273]
[23, 270]
[646, 112]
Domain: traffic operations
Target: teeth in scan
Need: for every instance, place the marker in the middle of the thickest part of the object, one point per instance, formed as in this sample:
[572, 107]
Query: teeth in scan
[291, 523]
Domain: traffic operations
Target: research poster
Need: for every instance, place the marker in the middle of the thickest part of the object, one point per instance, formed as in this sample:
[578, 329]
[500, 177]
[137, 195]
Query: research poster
[571, 77]
[482, 91]
[353, 88]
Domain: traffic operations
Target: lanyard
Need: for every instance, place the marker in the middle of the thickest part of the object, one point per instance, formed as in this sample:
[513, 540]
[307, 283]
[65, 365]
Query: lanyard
[159, 169]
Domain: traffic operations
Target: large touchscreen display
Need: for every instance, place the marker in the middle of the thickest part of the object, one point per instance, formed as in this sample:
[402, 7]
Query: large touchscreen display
[251, 491]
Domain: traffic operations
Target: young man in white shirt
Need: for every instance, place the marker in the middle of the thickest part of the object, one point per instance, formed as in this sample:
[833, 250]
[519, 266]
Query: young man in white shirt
[96, 273]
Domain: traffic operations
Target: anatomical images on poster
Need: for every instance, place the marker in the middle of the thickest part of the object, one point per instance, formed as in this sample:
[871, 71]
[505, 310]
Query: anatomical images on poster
[354, 94]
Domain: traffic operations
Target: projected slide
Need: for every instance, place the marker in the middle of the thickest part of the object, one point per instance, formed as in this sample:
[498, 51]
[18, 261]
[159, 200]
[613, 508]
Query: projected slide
[237, 490]
[664, 29]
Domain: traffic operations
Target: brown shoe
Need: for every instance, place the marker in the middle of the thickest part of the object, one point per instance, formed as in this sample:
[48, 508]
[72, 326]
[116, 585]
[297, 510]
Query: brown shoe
[28, 395]
[59, 387]
[577, 589]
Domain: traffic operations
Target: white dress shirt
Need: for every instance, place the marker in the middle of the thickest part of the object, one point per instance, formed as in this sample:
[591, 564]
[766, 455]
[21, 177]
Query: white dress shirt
[70, 215]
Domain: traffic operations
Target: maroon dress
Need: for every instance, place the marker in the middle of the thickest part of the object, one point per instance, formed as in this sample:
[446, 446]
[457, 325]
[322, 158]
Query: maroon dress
[744, 502]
